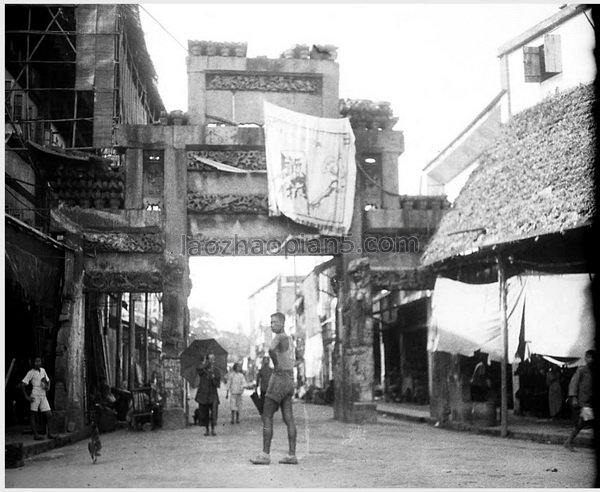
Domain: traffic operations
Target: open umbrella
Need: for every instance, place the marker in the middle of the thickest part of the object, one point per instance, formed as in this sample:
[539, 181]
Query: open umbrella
[193, 357]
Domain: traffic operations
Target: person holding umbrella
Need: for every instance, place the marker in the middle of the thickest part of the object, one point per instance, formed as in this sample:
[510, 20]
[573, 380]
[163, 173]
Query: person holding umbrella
[207, 395]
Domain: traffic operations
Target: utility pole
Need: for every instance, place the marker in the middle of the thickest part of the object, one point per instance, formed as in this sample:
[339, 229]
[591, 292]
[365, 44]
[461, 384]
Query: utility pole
[131, 341]
[504, 361]
[119, 351]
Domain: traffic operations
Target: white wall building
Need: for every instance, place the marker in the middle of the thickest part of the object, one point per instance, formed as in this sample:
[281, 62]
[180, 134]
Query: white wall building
[278, 295]
[554, 55]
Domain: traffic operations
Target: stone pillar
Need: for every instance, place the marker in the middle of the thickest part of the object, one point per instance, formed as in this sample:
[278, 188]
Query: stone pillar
[353, 356]
[176, 284]
[174, 304]
[355, 367]
[69, 368]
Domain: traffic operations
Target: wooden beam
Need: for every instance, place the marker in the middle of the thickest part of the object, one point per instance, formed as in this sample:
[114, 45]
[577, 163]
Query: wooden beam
[62, 30]
[30, 54]
[38, 31]
[542, 27]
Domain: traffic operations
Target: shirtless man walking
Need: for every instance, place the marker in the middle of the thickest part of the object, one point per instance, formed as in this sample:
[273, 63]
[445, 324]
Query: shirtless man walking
[279, 393]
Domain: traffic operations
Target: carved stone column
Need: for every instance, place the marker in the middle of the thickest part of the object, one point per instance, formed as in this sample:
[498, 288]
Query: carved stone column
[354, 352]
[174, 302]
[176, 287]
[69, 365]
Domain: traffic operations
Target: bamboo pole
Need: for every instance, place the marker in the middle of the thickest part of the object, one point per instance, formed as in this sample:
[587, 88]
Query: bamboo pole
[146, 365]
[74, 129]
[119, 348]
[131, 341]
[7, 377]
[504, 361]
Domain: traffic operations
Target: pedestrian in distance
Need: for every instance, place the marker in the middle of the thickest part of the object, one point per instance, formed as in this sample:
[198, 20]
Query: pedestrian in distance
[581, 397]
[235, 385]
[263, 377]
[40, 384]
[207, 395]
[280, 392]
[555, 396]
[479, 382]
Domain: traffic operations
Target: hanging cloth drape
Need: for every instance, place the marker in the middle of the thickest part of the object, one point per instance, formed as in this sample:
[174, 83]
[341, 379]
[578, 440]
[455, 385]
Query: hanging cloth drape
[313, 356]
[556, 311]
[311, 169]
[466, 317]
[559, 316]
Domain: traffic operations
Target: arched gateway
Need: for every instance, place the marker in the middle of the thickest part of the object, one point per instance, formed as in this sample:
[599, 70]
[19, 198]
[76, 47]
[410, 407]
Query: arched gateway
[195, 184]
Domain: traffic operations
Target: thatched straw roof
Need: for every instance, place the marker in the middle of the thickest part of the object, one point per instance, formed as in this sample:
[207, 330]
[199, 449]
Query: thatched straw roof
[537, 178]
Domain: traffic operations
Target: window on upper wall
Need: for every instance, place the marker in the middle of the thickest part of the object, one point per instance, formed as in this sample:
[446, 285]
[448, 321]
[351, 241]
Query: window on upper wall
[153, 182]
[542, 62]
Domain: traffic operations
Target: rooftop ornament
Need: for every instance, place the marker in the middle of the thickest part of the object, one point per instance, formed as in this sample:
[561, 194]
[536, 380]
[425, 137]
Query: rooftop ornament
[317, 52]
[301, 51]
[217, 48]
[365, 114]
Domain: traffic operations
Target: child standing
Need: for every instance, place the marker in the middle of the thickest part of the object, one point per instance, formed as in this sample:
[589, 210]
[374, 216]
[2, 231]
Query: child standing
[235, 385]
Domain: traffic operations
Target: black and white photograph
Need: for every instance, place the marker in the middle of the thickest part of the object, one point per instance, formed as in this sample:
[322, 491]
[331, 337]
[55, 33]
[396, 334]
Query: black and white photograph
[300, 245]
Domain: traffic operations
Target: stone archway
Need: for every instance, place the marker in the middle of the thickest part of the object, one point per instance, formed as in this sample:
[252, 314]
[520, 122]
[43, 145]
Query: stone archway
[175, 204]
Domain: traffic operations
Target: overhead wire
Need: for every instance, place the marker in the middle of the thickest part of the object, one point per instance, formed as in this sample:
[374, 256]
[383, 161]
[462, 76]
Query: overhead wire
[163, 27]
[375, 183]
[369, 178]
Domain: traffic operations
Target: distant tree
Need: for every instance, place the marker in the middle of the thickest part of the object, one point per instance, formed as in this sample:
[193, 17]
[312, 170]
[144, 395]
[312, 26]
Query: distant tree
[202, 324]
[237, 345]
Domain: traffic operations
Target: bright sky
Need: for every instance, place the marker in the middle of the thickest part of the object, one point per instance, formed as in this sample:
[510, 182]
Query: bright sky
[221, 285]
[436, 64]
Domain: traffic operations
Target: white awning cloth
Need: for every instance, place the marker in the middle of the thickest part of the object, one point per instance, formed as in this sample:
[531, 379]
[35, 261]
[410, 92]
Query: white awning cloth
[554, 311]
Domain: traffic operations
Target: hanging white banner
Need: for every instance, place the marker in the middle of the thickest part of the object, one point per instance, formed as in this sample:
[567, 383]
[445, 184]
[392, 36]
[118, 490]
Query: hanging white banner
[311, 169]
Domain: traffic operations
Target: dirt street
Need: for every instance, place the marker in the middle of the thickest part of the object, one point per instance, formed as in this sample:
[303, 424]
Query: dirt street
[388, 454]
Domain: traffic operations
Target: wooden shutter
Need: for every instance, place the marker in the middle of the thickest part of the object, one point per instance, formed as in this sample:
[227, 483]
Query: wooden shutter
[532, 64]
[552, 54]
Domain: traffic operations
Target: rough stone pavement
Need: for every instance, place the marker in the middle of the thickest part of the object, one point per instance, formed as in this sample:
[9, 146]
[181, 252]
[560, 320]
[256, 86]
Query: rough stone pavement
[332, 454]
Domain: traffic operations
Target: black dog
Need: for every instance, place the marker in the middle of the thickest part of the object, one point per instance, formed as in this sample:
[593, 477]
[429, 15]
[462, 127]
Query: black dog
[197, 416]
